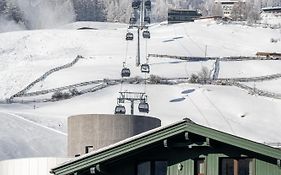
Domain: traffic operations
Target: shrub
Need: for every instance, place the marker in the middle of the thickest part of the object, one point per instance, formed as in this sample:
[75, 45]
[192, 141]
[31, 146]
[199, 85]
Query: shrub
[74, 91]
[154, 79]
[193, 79]
[60, 95]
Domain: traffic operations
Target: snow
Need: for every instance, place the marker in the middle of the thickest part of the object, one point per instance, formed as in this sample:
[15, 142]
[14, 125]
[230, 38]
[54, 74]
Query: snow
[27, 55]
[22, 138]
[273, 19]
[272, 86]
[237, 69]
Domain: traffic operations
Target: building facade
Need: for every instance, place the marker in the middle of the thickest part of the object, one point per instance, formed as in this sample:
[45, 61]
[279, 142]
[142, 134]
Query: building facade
[227, 6]
[183, 148]
[182, 15]
[275, 10]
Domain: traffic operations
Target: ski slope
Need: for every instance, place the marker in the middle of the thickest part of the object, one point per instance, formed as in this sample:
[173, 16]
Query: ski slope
[20, 137]
[27, 55]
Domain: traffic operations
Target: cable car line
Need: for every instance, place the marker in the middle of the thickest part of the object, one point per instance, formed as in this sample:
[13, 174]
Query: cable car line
[141, 10]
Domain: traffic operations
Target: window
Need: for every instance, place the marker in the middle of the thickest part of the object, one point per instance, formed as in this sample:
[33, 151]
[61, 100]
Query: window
[160, 167]
[144, 168]
[152, 168]
[230, 166]
[199, 167]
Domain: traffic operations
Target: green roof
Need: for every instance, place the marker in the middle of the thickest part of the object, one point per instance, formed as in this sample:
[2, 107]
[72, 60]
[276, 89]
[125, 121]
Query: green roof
[159, 134]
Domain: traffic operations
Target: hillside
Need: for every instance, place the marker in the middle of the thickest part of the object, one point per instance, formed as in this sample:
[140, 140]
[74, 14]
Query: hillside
[27, 55]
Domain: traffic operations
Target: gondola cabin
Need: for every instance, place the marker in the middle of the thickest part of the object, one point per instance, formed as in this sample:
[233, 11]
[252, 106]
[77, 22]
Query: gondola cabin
[136, 4]
[129, 36]
[144, 107]
[133, 20]
[147, 4]
[119, 109]
[125, 72]
[145, 68]
[146, 34]
[147, 19]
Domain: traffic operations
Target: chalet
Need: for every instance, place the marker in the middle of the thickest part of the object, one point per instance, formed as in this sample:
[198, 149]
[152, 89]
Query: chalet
[269, 55]
[182, 148]
[272, 10]
[228, 5]
[182, 15]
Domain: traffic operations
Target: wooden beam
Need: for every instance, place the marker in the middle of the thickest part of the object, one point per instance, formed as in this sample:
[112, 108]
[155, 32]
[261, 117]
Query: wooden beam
[235, 167]
[189, 144]
[186, 136]
[165, 143]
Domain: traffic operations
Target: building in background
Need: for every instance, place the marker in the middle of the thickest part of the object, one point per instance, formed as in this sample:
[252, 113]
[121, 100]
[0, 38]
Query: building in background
[182, 15]
[227, 6]
[271, 16]
[274, 10]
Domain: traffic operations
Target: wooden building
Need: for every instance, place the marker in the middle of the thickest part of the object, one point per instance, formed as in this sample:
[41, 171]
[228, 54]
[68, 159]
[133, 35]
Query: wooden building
[183, 148]
[182, 15]
[227, 6]
[272, 10]
[269, 55]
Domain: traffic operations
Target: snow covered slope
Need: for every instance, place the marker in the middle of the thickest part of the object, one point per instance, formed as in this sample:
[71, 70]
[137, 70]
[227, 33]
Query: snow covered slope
[27, 55]
[21, 138]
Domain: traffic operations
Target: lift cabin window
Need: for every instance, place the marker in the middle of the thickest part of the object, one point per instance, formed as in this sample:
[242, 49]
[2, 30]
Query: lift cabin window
[229, 166]
[152, 168]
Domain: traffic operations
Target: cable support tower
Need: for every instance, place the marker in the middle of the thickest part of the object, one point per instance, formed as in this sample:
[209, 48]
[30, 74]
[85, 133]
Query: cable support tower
[139, 20]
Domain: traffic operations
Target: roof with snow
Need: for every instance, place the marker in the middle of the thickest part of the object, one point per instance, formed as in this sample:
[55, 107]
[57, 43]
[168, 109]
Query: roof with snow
[159, 134]
[272, 9]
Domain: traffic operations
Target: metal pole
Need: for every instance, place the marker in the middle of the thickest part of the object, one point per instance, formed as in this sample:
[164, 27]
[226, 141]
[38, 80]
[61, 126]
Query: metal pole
[132, 107]
[206, 47]
[138, 56]
[141, 23]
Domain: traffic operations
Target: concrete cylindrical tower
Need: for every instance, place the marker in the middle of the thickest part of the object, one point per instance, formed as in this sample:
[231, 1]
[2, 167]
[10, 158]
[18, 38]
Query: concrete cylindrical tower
[100, 130]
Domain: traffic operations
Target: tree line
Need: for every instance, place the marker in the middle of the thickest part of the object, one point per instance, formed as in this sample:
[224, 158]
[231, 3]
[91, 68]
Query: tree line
[120, 10]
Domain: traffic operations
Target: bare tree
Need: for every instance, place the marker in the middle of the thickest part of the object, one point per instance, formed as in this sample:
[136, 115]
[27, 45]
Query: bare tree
[216, 9]
[204, 75]
[252, 11]
[238, 11]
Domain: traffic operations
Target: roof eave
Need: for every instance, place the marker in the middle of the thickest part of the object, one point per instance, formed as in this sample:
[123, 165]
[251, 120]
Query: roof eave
[162, 134]
[119, 150]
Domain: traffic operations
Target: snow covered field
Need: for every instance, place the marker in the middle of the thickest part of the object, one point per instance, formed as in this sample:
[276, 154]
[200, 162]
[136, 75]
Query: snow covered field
[26, 55]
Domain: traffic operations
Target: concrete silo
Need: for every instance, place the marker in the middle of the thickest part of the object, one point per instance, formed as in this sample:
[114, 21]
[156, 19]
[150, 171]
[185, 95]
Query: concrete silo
[93, 131]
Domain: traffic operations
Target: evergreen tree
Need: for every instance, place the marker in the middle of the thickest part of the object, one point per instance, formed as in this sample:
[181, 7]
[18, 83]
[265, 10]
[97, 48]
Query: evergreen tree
[89, 10]
[2, 6]
[252, 13]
